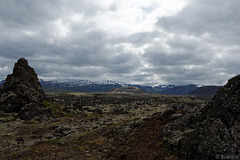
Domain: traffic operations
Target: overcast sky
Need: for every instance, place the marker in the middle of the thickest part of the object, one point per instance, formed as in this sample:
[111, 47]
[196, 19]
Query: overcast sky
[132, 41]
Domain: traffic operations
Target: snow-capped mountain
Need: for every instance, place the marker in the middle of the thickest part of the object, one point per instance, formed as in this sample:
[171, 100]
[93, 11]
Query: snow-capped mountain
[73, 83]
[81, 85]
[164, 87]
[105, 86]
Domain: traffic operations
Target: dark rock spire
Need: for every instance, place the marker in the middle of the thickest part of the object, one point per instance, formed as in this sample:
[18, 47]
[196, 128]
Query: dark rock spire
[23, 80]
[21, 89]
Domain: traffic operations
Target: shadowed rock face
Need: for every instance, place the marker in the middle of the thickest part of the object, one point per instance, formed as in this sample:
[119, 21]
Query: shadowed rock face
[212, 132]
[22, 90]
[1, 90]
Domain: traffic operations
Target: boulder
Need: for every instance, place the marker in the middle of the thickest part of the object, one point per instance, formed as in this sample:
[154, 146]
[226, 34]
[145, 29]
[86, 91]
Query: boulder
[212, 131]
[22, 91]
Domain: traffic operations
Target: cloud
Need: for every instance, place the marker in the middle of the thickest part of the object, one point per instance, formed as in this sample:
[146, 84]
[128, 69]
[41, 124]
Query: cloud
[203, 44]
[145, 42]
[218, 20]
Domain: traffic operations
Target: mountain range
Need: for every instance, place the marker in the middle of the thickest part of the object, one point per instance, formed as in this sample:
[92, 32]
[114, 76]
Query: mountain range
[105, 86]
[88, 86]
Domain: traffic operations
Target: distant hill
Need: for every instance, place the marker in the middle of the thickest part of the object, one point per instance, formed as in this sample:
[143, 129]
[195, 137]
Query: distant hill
[155, 89]
[129, 89]
[205, 92]
[180, 90]
[87, 86]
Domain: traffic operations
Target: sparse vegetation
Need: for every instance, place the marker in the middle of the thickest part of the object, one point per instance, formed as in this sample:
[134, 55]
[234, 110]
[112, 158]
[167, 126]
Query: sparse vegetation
[52, 141]
[6, 135]
[85, 123]
[128, 148]
[30, 122]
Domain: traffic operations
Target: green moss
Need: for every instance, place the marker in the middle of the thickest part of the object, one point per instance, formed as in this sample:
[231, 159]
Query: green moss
[68, 114]
[93, 115]
[52, 141]
[135, 119]
[52, 106]
[56, 110]
[46, 103]
[30, 122]
[6, 135]
[83, 134]
[128, 148]
[114, 125]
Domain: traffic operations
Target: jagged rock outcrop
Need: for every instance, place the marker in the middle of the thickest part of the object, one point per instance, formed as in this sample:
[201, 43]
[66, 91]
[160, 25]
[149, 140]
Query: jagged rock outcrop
[22, 92]
[211, 132]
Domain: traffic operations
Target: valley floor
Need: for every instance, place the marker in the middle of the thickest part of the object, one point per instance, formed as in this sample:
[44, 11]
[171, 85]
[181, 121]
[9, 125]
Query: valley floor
[95, 126]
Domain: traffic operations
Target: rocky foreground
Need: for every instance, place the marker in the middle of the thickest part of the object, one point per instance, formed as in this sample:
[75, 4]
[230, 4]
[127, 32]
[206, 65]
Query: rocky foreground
[94, 126]
[212, 131]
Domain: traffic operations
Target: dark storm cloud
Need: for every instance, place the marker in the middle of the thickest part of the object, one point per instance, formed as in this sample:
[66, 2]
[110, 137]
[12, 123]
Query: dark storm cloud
[84, 55]
[14, 13]
[27, 13]
[177, 51]
[184, 63]
[201, 49]
[27, 30]
[59, 71]
[218, 19]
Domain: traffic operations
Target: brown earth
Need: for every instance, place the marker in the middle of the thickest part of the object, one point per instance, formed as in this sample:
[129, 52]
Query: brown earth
[146, 143]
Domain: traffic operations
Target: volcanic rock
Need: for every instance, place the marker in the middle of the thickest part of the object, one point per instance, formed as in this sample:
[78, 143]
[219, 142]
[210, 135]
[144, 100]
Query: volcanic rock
[22, 92]
[211, 132]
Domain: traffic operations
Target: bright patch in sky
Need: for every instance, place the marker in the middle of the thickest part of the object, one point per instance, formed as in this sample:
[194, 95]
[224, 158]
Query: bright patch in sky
[137, 16]
[62, 29]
